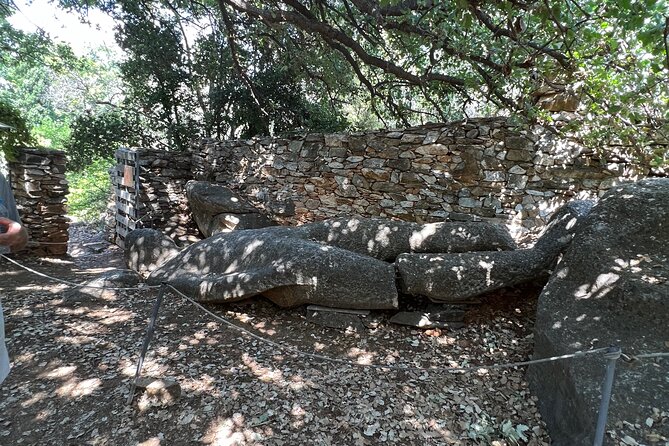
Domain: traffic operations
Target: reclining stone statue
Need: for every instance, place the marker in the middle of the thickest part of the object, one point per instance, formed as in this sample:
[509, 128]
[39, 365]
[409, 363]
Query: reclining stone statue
[444, 277]
[338, 263]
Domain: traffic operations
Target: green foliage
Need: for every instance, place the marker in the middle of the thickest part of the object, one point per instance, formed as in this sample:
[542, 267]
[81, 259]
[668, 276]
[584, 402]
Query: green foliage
[98, 136]
[49, 84]
[237, 69]
[205, 87]
[90, 189]
[52, 94]
[434, 60]
[19, 135]
[621, 71]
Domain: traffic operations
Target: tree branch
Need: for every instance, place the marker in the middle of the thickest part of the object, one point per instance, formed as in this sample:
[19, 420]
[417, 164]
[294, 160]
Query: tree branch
[487, 21]
[235, 62]
[331, 34]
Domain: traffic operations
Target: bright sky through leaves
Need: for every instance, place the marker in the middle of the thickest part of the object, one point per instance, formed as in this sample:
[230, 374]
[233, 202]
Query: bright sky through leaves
[65, 26]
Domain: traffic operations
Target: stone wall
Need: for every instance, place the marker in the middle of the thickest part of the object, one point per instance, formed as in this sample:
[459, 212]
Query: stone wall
[38, 179]
[159, 200]
[477, 169]
[481, 168]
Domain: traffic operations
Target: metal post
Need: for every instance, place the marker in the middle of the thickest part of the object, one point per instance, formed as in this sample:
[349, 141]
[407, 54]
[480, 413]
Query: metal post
[147, 340]
[612, 355]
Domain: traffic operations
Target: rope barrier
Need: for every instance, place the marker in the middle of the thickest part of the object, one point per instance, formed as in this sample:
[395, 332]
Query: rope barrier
[652, 355]
[611, 354]
[296, 351]
[74, 284]
[35, 243]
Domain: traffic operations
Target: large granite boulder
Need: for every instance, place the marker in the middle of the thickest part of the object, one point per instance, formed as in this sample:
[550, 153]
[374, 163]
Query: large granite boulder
[217, 208]
[445, 277]
[611, 288]
[386, 239]
[289, 271]
[146, 249]
[336, 263]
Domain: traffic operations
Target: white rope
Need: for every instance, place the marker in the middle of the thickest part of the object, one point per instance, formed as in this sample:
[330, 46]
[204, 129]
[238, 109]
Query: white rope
[296, 351]
[650, 355]
[74, 284]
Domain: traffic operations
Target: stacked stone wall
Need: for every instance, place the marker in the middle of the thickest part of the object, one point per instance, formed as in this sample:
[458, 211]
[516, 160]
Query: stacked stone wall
[38, 179]
[160, 200]
[477, 169]
[482, 168]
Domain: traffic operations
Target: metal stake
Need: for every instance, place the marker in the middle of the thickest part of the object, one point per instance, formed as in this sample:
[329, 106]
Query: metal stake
[612, 355]
[147, 340]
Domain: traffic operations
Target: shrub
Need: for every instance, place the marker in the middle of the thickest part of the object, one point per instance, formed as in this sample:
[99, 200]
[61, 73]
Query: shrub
[90, 189]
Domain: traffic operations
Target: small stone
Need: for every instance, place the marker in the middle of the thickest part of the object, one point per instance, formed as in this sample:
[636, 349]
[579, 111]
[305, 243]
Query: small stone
[165, 390]
[421, 319]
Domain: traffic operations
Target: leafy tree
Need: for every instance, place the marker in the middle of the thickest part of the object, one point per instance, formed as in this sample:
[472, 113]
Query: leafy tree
[256, 67]
[99, 135]
[426, 57]
[17, 134]
[49, 84]
[186, 76]
[89, 190]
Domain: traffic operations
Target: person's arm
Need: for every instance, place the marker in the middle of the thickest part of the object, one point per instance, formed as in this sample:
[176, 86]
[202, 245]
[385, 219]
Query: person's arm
[12, 234]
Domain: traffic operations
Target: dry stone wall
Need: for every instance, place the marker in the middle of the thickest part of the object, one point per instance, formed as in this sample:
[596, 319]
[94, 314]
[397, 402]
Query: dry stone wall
[38, 179]
[477, 169]
[154, 196]
[482, 168]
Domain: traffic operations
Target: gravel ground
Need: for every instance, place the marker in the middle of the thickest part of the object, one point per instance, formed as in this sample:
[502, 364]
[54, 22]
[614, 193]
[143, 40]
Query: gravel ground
[74, 355]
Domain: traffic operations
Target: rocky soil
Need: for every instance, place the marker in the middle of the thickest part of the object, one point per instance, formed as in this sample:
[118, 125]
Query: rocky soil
[74, 356]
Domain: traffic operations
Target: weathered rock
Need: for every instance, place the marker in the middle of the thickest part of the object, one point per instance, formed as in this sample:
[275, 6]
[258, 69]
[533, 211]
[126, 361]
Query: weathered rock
[289, 271]
[165, 391]
[458, 277]
[217, 208]
[611, 287]
[106, 285]
[421, 319]
[385, 239]
[229, 222]
[146, 249]
[563, 224]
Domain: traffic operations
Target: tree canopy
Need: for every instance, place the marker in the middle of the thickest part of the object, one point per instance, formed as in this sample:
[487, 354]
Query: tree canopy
[238, 68]
[425, 56]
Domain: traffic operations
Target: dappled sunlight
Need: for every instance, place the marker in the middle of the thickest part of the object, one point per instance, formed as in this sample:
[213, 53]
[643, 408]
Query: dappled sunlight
[603, 284]
[59, 372]
[204, 383]
[74, 388]
[108, 316]
[25, 357]
[487, 266]
[45, 286]
[418, 238]
[265, 374]
[275, 376]
[606, 281]
[232, 431]
[153, 366]
[262, 328]
[34, 399]
[76, 340]
[360, 356]
[464, 234]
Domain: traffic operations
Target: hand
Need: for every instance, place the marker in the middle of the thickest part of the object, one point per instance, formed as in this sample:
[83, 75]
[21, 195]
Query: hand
[14, 236]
